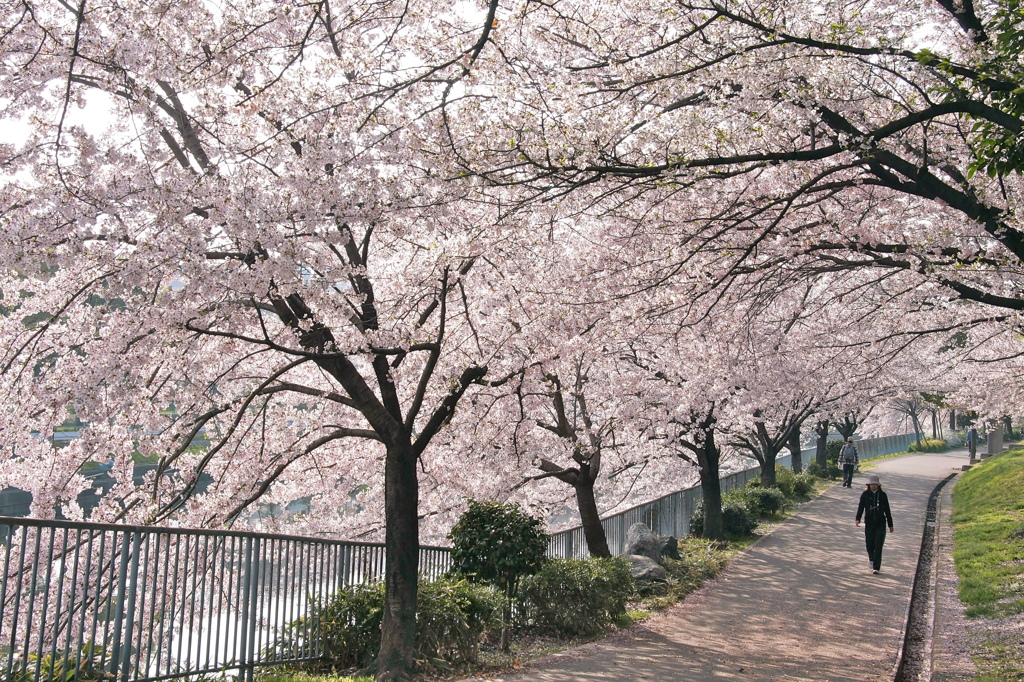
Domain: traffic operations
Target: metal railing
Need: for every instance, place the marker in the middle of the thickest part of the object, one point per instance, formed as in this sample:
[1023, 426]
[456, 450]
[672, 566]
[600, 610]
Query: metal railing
[670, 515]
[95, 601]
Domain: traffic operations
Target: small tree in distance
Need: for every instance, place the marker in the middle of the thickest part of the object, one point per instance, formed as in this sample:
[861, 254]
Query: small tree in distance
[498, 543]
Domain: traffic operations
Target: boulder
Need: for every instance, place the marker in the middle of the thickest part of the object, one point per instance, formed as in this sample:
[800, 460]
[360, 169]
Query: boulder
[645, 569]
[669, 546]
[640, 540]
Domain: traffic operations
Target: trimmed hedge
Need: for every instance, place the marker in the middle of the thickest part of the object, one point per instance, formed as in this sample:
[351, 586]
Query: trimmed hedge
[577, 596]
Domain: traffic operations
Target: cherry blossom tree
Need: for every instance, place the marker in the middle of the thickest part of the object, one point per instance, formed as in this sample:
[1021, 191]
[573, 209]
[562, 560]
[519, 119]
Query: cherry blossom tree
[227, 221]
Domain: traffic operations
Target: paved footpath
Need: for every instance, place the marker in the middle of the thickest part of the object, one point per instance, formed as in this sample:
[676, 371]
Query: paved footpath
[801, 604]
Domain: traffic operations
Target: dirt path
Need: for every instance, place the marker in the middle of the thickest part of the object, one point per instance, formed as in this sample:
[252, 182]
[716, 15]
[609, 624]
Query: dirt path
[801, 604]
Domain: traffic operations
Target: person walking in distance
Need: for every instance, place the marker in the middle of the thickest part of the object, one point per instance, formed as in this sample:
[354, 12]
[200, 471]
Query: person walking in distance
[874, 509]
[972, 443]
[848, 462]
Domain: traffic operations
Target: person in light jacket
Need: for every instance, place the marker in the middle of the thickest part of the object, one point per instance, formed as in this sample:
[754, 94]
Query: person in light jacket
[874, 509]
[848, 462]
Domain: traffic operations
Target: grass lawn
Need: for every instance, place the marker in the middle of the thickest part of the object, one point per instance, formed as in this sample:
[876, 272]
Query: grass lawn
[988, 514]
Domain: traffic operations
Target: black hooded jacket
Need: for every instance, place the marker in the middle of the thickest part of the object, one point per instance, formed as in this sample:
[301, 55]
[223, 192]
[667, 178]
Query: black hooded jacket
[874, 507]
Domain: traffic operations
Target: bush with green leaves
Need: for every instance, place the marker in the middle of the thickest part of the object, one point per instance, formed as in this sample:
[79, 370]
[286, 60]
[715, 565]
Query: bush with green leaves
[348, 624]
[737, 518]
[832, 448]
[577, 596]
[452, 615]
[929, 445]
[803, 484]
[762, 501]
[830, 472]
[785, 480]
[497, 543]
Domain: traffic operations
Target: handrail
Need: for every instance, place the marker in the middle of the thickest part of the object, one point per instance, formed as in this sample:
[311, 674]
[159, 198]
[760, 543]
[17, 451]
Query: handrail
[88, 525]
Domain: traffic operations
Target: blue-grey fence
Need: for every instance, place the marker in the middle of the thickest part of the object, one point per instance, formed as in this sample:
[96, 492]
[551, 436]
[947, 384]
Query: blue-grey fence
[96, 601]
[670, 515]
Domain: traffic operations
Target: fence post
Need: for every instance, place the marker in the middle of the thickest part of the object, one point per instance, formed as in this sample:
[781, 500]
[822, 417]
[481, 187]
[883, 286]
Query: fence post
[252, 599]
[122, 586]
[243, 648]
[129, 626]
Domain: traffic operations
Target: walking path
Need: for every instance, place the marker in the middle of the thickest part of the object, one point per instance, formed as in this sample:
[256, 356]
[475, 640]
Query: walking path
[801, 604]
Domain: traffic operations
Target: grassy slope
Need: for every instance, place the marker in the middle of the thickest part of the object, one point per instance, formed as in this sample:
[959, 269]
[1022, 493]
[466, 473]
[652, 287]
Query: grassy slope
[988, 512]
[988, 508]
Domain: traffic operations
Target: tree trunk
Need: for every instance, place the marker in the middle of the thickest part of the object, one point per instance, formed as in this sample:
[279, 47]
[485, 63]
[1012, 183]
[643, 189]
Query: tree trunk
[821, 454]
[768, 469]
[796, 458]
[935, 425]
[917, 429]
[952, 421]
[711, 487]
[593, 530]
[1008, 426]
[396, 658]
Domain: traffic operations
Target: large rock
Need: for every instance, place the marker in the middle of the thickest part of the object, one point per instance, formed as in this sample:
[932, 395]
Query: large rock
[640, 540]
[645, 569]
[669, 546]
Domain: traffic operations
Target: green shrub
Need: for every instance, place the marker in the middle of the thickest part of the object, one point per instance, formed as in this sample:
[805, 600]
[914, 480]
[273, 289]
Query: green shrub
[785, 480]
[497, 543]
[452, 616]
[815, 469]
[737, 518]
[929, 445]
[577, 597]
[832, 448]
[831, 470]
[348, 623]
[803, 485]
[760, 501]
[764, 501]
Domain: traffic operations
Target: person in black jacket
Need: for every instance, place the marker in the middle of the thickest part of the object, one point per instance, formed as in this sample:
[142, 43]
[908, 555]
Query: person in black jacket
[874, 509]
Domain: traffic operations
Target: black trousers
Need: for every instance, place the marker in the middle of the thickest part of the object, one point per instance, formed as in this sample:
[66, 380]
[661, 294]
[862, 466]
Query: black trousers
[848, 475]
[874, 538]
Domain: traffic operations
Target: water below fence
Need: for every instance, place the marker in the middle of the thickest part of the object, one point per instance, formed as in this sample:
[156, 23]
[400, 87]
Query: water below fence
[94, 601]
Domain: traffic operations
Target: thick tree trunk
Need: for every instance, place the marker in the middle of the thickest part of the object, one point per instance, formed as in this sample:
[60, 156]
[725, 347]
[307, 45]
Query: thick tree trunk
[952, 421]
[794, 451]
[396, 658]
[711, 488]
[917, 428]
[1008, 426]
[593, 530]
[935, 425]
[768, 470]
[821, 445]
